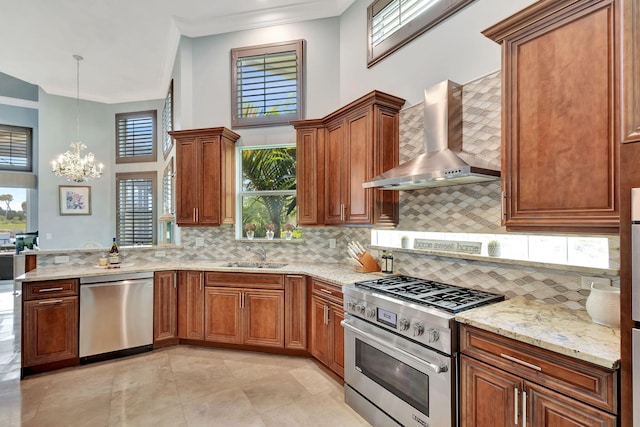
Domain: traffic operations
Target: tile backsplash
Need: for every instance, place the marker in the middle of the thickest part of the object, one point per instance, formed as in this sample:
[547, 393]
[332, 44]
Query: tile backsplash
[473, 208]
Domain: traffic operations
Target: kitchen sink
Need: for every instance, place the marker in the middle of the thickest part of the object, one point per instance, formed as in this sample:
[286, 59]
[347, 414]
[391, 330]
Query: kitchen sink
[254, 264]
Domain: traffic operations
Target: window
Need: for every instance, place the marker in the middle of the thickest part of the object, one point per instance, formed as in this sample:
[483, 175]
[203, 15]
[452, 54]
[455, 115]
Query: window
[267, 84]
[393, 23]
[136, 137]
[167, 188]
[167, 121]
[15, 148]
[268, 189]
[135, 208]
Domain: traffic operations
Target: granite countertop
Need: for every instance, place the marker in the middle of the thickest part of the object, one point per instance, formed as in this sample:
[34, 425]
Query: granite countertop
[555, 328]
[335, 273]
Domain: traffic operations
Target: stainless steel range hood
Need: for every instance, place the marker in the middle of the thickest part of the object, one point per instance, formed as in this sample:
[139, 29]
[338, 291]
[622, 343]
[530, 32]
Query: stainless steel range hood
[441, 164]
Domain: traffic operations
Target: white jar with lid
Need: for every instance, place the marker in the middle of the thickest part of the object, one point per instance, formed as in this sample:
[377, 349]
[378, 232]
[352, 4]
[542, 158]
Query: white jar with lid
[603, 304]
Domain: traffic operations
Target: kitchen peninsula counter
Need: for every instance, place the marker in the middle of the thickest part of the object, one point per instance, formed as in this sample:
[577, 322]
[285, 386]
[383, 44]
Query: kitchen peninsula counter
[335, 273]
[552, 327]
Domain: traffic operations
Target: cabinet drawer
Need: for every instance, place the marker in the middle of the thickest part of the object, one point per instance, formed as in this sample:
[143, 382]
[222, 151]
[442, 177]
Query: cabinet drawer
[327, 290]
[50, 289]
[586, 382]
[244, 280]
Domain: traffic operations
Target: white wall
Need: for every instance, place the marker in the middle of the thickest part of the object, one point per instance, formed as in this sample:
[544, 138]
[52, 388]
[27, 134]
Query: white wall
[455, 50]
[211, 75]
[57, 122]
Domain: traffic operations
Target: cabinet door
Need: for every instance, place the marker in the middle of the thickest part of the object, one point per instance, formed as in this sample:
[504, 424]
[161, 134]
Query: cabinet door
[386, 156]
[191, 305]
[334, 155]
[357, 168]
[295, 312]
[308, 173]
[488, 396]
[164, 306]
[319, 330]
[560, 86]
[227, 181]
[336, 363]
[263, 318]
[50, 330]
[186, 181]
[547, 408]
[630, 76]
[223, 315]
[210, 201]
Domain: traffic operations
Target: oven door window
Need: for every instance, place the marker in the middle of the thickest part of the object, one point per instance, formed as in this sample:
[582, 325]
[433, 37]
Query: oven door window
[404, 381]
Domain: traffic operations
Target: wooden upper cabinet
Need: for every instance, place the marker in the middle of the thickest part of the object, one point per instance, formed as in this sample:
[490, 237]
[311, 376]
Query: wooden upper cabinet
[630, 53]
[205, 176]
[339, 152]
[560, 119]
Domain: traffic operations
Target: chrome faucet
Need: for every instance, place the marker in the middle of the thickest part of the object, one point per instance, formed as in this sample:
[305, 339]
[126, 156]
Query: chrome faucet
[262, 254]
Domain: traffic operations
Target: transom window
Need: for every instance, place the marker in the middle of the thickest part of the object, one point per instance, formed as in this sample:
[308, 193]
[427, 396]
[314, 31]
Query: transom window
[136, 137]
[15, 148]
[267, 84]
[267, 191]
[135, 208]
[393, 23]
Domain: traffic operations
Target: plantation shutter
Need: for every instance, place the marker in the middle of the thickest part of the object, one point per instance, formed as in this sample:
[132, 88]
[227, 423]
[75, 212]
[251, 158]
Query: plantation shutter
[394, 16]
[15, 148]
[135, 208]
[136, 137]
[167, 121]
[267, 84]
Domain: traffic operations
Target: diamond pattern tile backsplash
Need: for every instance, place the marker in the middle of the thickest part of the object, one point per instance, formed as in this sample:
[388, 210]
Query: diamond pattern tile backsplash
[471, 208]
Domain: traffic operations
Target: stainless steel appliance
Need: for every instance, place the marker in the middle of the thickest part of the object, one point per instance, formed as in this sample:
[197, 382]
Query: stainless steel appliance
[401, 349]
[116, 315]
[635, 301]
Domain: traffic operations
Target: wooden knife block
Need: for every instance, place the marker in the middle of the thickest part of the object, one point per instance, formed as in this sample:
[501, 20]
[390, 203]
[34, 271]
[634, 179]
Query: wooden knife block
[369, 264]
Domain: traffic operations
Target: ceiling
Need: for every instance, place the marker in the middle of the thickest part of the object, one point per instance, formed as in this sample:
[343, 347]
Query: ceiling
[128, 45]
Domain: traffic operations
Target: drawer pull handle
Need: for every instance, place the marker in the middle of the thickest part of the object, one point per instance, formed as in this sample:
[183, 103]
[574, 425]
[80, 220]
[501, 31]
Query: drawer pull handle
[524, 408]
[515, 405]
[50, 289]
[53, 301]
[521, 362]
[326, 291]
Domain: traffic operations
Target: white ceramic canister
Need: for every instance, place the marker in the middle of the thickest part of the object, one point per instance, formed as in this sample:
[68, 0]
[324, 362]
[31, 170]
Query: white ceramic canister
[603, 304]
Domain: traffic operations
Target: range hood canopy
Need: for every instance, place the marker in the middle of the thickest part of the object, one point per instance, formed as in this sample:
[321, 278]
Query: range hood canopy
[441, 164]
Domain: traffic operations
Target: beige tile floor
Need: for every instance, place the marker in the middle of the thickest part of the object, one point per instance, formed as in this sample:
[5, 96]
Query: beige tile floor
[177, 386]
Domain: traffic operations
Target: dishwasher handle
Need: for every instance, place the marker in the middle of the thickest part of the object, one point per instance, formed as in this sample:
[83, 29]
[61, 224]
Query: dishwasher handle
[120, 283]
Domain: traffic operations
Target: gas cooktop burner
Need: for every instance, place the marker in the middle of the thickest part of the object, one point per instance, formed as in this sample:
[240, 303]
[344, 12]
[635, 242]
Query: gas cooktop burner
[446, 297]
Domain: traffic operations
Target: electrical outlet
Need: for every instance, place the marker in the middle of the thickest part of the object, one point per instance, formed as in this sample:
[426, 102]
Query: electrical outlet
[61, 259]
[585, 281]
[199, 241]
[161, 254]
[332, 243]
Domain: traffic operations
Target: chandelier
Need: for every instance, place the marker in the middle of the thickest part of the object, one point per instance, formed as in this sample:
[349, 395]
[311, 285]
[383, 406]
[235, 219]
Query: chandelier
[72, 164]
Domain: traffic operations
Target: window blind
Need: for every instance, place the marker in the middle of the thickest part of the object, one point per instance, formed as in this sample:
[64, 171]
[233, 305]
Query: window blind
[167, 121]
[136, 136]
[135, 208]
[167, 188]
[15, 148]
[394, 16]
[267, 84]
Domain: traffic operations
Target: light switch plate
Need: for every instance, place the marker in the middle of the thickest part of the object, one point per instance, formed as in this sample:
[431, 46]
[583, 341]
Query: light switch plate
[585, 281]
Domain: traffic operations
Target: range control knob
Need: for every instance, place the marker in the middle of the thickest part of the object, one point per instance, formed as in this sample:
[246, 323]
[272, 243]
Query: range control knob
[371, 312]
[418, 329]
[403, 324]
[432, 335]
[360, 308]
[351, 305]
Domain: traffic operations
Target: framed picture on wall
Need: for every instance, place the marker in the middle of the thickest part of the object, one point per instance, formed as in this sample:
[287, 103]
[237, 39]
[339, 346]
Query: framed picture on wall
[75, 200]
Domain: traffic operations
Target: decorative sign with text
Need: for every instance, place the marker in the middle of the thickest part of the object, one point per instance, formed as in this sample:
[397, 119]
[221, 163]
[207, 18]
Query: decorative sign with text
[448, 246]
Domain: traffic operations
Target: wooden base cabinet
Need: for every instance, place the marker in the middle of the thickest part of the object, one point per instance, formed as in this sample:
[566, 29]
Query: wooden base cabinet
[50, 322]
[327, 334]
[164, 308]
[295, 312]
[191, 305]
[508, 383]
[560, 116]
[244, 309]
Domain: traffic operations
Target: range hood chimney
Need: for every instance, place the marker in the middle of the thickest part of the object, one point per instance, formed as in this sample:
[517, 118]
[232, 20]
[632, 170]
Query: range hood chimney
[440, 164]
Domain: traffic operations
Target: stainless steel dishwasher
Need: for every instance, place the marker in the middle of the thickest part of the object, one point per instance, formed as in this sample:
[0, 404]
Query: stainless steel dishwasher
[116, 315]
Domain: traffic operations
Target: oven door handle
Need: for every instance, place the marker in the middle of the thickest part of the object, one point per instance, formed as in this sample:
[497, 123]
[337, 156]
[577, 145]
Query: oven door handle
[435, 368]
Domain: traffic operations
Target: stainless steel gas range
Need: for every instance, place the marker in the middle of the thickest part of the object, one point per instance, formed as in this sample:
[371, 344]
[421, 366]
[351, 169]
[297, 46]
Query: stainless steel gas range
[401, 349]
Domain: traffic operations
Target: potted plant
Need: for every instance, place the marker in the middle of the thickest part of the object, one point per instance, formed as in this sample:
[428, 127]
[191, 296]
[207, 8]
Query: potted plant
[493, 248]
[269, 229]
[249, 229]
[288, 231]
